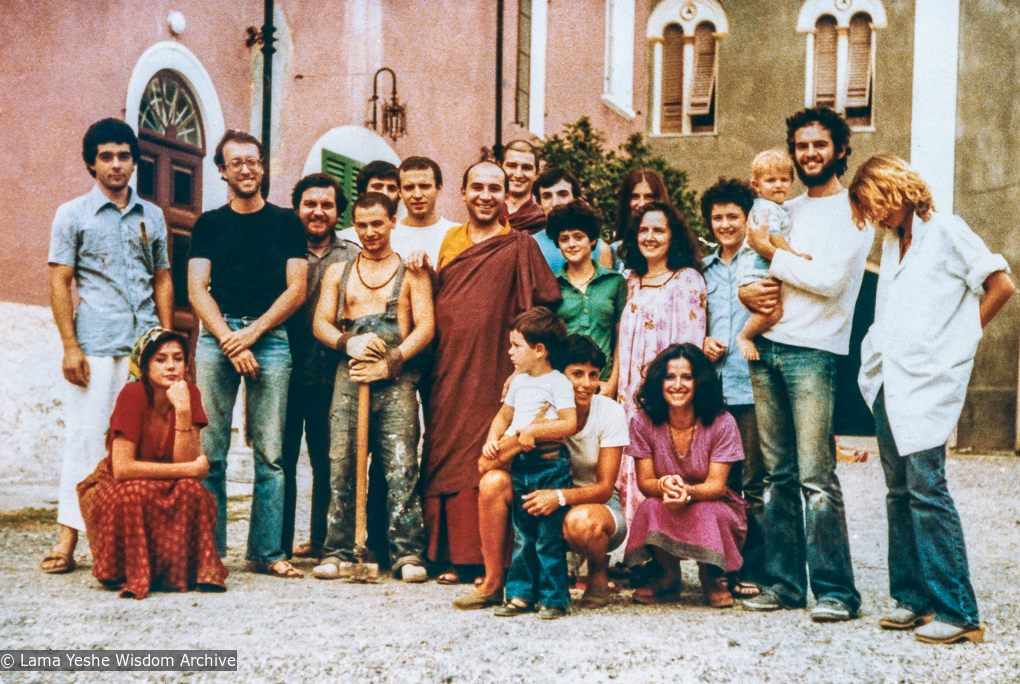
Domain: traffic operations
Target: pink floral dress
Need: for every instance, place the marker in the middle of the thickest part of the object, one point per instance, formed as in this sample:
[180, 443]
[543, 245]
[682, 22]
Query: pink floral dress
[654, 318]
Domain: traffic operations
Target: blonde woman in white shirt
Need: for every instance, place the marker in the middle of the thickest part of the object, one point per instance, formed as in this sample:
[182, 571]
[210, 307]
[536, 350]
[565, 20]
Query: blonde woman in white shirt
[938, 287]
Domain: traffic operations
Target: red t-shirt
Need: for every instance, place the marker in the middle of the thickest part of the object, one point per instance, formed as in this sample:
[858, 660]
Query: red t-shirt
[131, 412]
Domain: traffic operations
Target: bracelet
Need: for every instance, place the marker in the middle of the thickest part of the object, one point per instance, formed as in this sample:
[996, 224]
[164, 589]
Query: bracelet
[562, 499]
[394, 362]
[184, 429]
[341, 342]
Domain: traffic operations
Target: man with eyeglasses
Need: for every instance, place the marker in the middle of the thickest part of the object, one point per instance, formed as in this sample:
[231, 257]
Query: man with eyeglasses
[113, 246]
[246, 276]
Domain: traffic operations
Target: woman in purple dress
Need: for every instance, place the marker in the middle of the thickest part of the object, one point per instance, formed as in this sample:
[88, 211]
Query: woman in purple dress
[683, 442]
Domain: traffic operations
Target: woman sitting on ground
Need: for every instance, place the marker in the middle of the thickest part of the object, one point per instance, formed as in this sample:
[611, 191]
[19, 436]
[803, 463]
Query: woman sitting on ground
[594, 524]
[683, 442]
[149, 519]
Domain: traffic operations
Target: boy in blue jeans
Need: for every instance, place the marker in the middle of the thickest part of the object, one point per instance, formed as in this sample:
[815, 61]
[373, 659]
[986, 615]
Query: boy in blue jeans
[539, 410]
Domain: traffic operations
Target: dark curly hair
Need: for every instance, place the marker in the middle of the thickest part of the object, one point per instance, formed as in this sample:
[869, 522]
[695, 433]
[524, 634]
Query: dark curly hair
[576, 215]
[831, 121]
[319, 180]
[708, 399]
[684, 249]
[727, 191]
[581, 349]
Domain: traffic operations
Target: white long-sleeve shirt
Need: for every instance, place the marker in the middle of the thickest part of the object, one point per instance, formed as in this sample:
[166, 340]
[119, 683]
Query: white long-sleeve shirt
[819, 294]
[927, 327]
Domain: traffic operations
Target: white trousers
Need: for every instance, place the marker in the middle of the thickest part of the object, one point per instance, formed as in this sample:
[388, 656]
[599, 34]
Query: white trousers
[86, 420]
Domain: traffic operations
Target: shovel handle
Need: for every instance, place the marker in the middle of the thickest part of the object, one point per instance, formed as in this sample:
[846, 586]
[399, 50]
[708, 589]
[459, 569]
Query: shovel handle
[360, 515]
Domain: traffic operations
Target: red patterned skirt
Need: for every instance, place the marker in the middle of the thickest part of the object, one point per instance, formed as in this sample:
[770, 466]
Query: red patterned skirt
[148, 534]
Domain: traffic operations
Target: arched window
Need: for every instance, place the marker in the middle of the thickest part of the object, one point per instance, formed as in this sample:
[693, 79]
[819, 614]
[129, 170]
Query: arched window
[685, 39]
[841, 55]
[172, 142]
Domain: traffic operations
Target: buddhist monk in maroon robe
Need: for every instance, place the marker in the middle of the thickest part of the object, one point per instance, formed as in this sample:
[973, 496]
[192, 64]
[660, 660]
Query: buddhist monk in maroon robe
[488, 274]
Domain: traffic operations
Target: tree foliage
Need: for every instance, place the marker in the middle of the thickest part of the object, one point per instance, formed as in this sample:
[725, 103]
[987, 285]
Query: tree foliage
[581, 149]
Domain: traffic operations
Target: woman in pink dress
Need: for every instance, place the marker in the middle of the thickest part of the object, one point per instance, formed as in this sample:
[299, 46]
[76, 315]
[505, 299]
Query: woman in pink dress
[683, 442]
[666, 304]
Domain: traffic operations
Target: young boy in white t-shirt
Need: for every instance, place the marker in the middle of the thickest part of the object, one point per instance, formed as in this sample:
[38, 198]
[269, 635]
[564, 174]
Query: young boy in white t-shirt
[538, 570]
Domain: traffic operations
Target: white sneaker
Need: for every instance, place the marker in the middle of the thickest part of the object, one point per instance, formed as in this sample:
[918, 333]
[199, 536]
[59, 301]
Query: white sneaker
[413, 573]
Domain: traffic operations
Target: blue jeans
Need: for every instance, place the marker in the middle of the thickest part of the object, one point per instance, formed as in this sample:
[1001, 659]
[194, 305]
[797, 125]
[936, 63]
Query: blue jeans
[750, 484]
[927, 557]
[266, 411]
[794, 394]
[539, 563]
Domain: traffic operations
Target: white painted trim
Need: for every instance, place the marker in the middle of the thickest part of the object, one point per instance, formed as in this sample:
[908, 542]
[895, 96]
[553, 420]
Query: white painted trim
[657, 88]
[933, 110]
[536, 102]
[618, 89]
[809, 71]
[688, 14]
[357, 142]
[685, 120]
[842, 10]
[172, 55]
[842, 65]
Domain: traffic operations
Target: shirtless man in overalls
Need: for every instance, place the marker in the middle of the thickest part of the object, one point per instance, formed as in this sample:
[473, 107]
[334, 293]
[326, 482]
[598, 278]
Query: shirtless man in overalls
[379, 315]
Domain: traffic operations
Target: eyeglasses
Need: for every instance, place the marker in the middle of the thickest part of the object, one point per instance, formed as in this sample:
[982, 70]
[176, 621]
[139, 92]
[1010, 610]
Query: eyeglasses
[238, 164]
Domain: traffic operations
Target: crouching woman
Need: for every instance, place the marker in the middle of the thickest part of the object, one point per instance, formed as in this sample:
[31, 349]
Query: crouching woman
[150, 521]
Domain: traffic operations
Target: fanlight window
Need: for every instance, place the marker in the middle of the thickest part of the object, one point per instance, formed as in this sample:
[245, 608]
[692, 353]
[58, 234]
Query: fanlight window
[168, 109]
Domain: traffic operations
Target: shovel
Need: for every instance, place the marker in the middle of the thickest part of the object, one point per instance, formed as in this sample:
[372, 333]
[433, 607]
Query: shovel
[359, 570]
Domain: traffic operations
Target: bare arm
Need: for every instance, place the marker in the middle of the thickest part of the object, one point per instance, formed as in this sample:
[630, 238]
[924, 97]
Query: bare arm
[75, 365]
[163, 294]
[609, 387]
[714, 486]
[286, 304]
[199, 277]
[647, 482]
[420, 290]
[564, 425]
[761, 297]
[605, 254]
[498, 428]
[999, 288]
[125, 467]
[606, 471]
[326, 312]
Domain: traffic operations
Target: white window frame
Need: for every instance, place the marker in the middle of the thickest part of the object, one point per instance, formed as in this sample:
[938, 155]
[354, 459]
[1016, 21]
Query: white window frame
[688, 14]
[536, 74]
[618, 89]
[842, 11]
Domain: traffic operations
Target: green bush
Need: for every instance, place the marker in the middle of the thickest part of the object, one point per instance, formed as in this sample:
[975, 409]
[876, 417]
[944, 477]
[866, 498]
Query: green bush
[581, 149]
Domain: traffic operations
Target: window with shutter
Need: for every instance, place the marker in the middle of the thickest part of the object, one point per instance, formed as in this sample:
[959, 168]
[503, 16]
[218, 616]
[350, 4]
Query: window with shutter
[826, 62]
[703, 87]
[859, 71]
[345, 170]
[672, 80]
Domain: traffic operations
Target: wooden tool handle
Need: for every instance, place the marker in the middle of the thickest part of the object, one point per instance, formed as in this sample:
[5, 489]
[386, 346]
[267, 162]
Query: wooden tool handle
[360, 515]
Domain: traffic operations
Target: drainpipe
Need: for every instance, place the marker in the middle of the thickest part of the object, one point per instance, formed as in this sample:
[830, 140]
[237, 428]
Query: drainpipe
[498, 147]
[268, 29]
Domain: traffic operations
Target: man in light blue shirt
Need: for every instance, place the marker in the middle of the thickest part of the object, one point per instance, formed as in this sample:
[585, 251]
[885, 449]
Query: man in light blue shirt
[725, 207]
[113, 246]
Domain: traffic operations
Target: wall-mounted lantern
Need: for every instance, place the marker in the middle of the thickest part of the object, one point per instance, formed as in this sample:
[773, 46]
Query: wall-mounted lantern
[394, 114]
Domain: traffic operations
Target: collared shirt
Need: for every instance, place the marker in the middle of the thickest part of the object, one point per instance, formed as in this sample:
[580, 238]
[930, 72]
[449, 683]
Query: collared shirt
[726, 318]
[596, 311]
[314, 362]
[114, 263]
[927, 327]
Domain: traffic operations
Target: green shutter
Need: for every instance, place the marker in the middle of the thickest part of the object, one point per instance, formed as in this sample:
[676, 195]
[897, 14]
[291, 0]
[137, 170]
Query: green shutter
[345, 170]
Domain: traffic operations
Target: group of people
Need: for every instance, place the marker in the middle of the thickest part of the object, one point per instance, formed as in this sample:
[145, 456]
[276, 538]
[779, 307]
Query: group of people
[636, 397]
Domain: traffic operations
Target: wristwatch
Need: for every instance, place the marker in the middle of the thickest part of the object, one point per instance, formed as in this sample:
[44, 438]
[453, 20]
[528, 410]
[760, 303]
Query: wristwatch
[562, 499]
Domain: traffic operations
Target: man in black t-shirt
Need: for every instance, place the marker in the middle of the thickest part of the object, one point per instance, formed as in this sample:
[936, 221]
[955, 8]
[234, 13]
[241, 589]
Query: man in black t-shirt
[246, 276]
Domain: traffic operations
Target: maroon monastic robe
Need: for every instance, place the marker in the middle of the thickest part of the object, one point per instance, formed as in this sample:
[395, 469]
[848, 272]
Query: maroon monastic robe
[479, 293]
[528, 219]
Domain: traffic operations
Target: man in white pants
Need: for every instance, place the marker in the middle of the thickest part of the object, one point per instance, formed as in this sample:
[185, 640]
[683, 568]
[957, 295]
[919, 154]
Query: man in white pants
[113, 246]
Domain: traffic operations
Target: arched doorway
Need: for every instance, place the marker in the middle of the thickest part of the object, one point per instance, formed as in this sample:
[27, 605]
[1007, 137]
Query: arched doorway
[172, 142]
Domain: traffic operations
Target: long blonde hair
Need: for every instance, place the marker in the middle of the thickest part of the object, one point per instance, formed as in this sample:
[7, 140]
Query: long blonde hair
[885, 183]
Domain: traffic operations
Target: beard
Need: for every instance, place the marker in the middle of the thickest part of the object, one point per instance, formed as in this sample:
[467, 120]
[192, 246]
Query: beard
[822, 177]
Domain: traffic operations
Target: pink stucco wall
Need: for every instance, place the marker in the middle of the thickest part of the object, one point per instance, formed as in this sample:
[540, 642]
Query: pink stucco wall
[66, 65]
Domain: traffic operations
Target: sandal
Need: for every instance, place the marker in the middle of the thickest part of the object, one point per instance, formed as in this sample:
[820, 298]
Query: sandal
[746, 590]
[716, 592]
[595, 597]
[275, 569]
[66, 564]
[511, 609]
[306, 550]
[448, 577]
[655, 593]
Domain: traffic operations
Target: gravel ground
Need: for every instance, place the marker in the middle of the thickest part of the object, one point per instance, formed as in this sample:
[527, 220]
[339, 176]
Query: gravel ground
[291, 630]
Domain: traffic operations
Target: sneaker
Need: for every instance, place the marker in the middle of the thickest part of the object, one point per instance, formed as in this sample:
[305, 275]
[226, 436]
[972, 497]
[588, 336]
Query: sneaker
[413, 574]
[549, 613]
[902, 617]
[763, 603]
[943, 633]
[830, 610]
